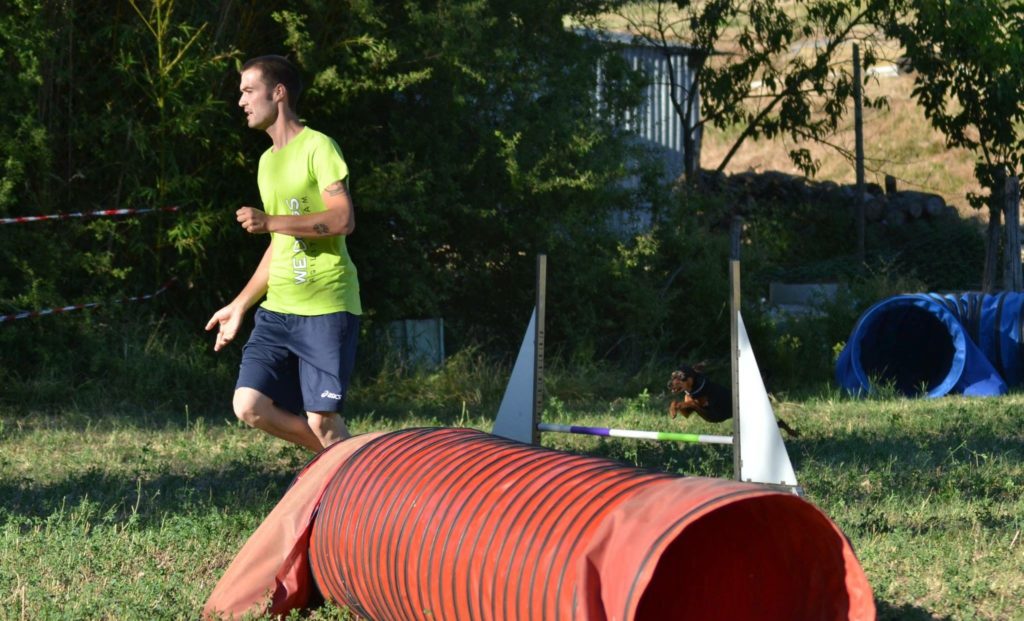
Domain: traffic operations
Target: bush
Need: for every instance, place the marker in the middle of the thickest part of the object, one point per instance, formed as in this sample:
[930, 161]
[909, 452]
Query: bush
[116, 359]
[811, 242]
[945, 254]
[798, 352]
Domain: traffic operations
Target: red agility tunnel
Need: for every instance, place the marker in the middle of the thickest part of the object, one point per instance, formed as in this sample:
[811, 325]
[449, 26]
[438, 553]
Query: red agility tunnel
[460, 524]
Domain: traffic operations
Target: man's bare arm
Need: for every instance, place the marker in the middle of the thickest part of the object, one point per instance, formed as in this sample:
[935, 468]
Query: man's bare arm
[229, 319]
[337, 219]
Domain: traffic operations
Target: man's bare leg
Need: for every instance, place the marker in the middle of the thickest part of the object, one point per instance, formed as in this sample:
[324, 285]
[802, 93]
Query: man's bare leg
[258, 410]
[329, 427]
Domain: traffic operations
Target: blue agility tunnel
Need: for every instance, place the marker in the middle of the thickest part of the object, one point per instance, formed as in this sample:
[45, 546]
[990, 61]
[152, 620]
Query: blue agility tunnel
[934, 344]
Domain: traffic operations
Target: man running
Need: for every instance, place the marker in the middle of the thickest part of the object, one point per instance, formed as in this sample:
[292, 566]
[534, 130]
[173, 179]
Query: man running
[301, 352]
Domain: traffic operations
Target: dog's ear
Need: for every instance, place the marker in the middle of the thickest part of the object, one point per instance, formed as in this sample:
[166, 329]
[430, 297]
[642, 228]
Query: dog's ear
[700, 366]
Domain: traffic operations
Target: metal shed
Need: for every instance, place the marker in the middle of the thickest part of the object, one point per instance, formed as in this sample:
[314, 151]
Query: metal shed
[671, 70]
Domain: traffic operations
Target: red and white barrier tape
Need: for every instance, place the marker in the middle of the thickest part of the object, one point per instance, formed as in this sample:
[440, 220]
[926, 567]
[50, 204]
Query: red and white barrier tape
[85, 214]
[65, 309]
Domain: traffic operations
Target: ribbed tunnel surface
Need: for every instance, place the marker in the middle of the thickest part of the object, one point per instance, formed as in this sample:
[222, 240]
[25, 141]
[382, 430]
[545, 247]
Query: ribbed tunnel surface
[460, 524]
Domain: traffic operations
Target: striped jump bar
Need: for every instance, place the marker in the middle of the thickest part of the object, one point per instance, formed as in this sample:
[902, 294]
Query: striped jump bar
[640, 435]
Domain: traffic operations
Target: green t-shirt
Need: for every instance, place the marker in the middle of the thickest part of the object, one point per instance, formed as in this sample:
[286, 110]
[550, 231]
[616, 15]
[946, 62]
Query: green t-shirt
[307, 276]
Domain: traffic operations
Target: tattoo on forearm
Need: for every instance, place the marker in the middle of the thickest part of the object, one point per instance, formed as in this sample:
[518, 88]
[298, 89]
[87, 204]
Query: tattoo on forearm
[320, 228]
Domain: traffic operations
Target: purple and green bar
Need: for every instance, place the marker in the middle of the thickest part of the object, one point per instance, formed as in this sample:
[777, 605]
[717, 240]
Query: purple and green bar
[663, 436]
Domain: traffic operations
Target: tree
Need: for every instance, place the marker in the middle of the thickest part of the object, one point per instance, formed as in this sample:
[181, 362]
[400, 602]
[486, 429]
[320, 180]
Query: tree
[768, 68]
[968, 59]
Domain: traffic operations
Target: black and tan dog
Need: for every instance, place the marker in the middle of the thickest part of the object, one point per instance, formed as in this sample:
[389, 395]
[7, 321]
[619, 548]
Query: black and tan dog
[711, 401]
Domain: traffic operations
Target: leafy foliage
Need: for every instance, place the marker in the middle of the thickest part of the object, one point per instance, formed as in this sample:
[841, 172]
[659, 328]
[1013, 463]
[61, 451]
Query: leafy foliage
[767, 68]
[968, 59]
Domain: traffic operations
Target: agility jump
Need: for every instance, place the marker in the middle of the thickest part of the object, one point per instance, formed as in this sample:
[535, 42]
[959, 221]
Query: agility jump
[759, 452]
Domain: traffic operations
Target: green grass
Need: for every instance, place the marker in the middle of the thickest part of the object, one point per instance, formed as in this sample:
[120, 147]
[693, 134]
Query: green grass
[134, 515]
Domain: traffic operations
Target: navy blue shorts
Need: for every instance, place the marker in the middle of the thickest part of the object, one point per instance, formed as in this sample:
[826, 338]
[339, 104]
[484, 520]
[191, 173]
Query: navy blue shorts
[303, 363]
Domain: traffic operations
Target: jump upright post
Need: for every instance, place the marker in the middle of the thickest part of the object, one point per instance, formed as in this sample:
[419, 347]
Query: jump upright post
[523, 402]
[735, 233]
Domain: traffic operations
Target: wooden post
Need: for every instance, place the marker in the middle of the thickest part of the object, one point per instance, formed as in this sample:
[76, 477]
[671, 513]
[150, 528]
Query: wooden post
[1012, 278]
[858, 129]
[890, 184]
[538, 350]
[990, 276]
[736, 231]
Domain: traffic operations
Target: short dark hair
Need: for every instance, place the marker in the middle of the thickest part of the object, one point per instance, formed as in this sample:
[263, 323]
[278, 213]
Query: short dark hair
[278, 70]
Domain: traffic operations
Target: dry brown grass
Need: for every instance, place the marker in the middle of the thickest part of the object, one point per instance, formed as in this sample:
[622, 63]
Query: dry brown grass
[898, 141]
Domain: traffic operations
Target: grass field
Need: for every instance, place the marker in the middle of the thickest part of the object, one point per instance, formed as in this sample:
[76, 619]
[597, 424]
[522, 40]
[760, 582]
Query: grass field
[135, 514]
